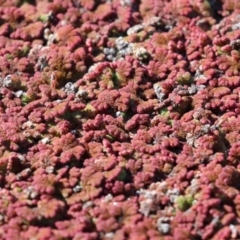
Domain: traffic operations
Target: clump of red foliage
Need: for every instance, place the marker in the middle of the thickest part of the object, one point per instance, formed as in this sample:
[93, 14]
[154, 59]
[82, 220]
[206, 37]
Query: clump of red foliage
[119, 119]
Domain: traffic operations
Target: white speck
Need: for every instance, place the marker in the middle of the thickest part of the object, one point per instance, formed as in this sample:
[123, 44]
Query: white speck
[234, 231]
[77, 188]
[49, 169]
[108, 198]
[87, 204]
[19, 93]
[21, 157]
[7, 81]
[28, 124]
[81, 93]
[45, 140]
[134, 29]
[109, 235]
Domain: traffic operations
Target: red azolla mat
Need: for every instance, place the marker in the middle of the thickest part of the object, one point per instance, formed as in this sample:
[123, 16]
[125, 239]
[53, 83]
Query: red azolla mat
[119, 120]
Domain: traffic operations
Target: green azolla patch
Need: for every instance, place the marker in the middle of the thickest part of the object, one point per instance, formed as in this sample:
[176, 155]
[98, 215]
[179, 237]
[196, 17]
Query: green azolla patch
[26, 99]
[184, 202]
[122, 176]
[185, 79]
[164, 112]
[43, 18]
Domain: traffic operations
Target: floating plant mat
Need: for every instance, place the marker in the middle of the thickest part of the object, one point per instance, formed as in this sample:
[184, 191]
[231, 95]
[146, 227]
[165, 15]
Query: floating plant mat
[119, 120]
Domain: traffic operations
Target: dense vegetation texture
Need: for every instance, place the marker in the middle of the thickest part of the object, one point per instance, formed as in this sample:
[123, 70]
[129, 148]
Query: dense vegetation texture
[119, 119]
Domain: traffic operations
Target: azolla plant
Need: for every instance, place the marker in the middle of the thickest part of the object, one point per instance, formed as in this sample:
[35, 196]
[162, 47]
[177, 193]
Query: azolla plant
[119, 120]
